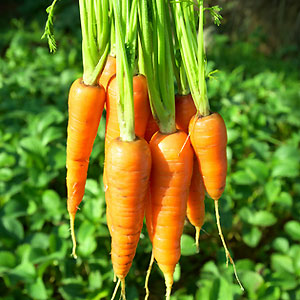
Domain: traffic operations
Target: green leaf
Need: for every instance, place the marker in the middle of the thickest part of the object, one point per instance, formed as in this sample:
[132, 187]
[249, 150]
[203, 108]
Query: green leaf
[87, 246]
[177, 273]
[95, 280]
[7, 260]
[251, 280]
[252, 236]
[188, 246]
[282, 263]
[284, 199]
[37, 290]
[25, 272]
[263, 218]
[51, 134]
[243, 177]
[292, 228]
[284, 280]
[281, 244]
[51, 202]
[286, 169]
[6, 174]
[272, 190]
[6, 160]
[85, 231]
[13, 227]
[39, 240]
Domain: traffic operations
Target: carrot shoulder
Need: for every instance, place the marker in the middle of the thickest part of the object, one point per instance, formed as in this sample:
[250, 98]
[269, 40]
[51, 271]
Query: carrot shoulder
[85, 109]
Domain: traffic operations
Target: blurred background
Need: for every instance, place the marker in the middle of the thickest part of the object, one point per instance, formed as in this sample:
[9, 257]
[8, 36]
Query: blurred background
[257, 91]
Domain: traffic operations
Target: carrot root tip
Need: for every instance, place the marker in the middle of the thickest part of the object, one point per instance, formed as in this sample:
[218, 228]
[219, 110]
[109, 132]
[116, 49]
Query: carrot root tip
[72, 219]
[169, 283]
[197, 237]
[123, 295]
[148, 276]
[115, 290]
[228, 256]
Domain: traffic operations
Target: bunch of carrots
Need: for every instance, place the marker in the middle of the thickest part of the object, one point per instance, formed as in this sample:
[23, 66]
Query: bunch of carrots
[162, 151]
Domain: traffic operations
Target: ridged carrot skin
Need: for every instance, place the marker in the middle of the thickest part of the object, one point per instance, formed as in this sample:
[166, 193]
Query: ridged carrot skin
[170, 180]
[108, 72]
[128, 166]
[141, 108]
[184, 110]
[151, 128]
[209, 140]
[85, 109]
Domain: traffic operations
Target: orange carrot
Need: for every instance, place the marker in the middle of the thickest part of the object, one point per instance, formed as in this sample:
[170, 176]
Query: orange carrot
[195, 205]
[169, 185]
[185, 110]
[108, 72]
[125, 198]
[209, 140]
[151, 128]
[141, 108]
[85, 109]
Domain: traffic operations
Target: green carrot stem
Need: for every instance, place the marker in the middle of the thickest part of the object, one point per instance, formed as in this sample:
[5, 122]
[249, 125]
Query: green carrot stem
[124, 73]
[158, 67]
[94, 45]
[192, 53]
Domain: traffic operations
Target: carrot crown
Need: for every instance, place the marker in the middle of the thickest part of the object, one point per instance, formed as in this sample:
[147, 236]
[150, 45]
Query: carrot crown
[192, 49]
[125, 16]
[155, 43]
[95, 25]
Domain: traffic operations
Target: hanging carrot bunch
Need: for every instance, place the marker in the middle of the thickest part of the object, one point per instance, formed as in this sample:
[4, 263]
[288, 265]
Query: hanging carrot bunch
[132, 52]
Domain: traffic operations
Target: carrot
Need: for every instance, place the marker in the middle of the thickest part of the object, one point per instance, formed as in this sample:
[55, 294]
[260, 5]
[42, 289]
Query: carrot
[185, 110]
[141, 108]
[85, 109]
[108, 72]
[195, 205]
[86, 102]
[209, 140]
[127, 172]
[170, 179]
[151, 128]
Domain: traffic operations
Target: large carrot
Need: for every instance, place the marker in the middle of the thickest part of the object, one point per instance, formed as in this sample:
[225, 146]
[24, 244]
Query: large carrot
[86, 102]
[127, 169]
[169, 184]
[128, 158]
[172, 162]
[207, 130]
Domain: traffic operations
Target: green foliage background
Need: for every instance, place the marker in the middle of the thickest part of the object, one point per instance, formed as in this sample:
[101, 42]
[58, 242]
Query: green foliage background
[257, 95]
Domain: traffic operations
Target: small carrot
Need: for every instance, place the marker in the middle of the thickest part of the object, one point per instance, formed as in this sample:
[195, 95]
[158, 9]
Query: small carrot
[108, 72]
[151, 128]
[85, 109]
